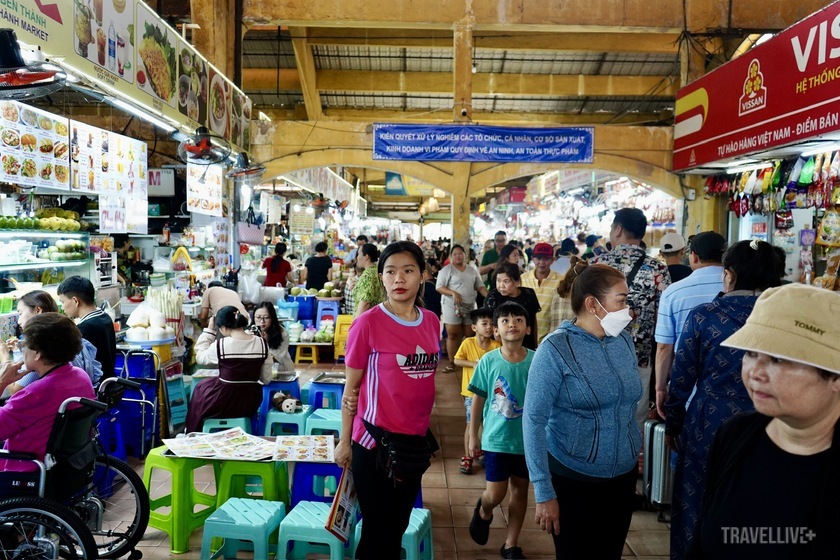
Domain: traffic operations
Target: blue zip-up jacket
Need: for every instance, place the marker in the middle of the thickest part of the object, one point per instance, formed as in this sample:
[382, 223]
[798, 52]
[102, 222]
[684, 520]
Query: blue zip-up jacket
[580, 406]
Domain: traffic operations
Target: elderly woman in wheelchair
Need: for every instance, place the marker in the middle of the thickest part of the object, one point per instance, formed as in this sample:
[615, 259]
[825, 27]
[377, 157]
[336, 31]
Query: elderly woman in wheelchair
[61, 496]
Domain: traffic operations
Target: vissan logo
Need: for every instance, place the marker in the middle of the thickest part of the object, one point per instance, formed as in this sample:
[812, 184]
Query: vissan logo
[754, 95]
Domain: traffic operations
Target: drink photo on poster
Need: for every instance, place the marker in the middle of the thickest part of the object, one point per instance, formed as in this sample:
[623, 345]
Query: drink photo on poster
[104, 35]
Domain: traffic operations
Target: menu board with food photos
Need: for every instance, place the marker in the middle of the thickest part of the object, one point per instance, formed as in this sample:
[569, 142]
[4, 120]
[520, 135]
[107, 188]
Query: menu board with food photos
[33, 147]
[113, 166]
[204, 189]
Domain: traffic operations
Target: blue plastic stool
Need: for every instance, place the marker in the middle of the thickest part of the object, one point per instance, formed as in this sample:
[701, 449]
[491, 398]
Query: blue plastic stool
[319, 392]
[303, 528]
[324, 421]
[287, 387]
[211, 425]
[327, 309]
[239, 520]
[417, 539]
[285, 420]
[304, 392]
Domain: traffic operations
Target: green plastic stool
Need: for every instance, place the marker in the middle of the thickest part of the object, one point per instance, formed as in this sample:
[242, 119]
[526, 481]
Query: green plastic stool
[182, 518]
[236, 478]
[211, 425]
[239, 520]
[283, 419]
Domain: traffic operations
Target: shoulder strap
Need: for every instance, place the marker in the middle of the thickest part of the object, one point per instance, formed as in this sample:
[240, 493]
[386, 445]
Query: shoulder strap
[635, 270]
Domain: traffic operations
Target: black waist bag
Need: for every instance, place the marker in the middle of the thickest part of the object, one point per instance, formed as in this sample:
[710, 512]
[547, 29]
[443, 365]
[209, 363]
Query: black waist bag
[403, 456]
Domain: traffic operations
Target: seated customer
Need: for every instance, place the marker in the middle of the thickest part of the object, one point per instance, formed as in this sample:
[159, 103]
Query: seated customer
[52, 340]
[77, 298]
[243, 361]
[272, 331]
[35, 303]
[214, 298]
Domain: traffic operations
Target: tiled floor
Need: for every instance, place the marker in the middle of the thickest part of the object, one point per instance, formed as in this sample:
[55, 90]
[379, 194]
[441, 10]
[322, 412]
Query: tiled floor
[451, 497]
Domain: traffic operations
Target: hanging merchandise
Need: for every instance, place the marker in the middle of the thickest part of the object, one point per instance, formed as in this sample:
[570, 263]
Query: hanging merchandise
[784, 219]
[829, 233]
[250, 231]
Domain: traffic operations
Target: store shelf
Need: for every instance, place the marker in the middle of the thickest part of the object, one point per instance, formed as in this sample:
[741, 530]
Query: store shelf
[167, 216]
[46, 234]
[182, 216]
[35, 266]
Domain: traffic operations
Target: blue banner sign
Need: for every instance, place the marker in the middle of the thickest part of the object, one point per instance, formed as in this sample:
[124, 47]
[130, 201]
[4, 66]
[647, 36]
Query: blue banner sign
[482, 143]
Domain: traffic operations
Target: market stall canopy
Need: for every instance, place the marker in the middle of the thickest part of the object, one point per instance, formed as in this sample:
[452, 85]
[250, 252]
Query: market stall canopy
[19, 80]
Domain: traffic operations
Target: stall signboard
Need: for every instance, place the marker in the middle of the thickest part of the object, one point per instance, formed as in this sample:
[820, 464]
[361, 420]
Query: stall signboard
[322, 180]
[396, 184]
[114, 167]
[131, 53]
[34, 147]
[302, 222]
[482, 143]
[204, 189]
[780, 92]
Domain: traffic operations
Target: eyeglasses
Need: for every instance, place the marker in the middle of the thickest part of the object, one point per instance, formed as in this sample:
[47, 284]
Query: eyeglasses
[262, 318]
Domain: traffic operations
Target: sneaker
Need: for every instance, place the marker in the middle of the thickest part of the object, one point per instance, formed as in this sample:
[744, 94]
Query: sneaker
[512, 552]
[480, 528]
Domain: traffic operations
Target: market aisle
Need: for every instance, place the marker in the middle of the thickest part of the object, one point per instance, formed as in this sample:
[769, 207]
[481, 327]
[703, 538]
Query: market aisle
[451, 497]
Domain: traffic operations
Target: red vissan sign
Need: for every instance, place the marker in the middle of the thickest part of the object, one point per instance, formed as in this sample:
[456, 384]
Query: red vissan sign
[783, 91]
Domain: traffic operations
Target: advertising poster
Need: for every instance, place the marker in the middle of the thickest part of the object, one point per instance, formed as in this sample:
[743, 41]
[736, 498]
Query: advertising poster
[204, 189]
[104, 34]
[219, 110]
[192, 84]
[34, 147]
[156, 56]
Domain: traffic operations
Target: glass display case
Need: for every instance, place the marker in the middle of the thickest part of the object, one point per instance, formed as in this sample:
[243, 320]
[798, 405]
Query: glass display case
[42, 256]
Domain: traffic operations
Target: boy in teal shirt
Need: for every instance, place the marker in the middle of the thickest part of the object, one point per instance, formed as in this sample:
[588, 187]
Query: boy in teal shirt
[499, 387]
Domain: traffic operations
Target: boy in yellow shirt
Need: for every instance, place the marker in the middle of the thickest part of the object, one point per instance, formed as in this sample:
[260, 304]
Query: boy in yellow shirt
[467, 356]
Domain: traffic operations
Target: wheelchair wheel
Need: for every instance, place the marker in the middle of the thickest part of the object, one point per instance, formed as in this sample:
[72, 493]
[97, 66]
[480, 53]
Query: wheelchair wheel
[36, 528]
[116, 509]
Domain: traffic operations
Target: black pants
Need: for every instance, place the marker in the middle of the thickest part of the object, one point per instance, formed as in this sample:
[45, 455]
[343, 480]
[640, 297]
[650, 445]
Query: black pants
[594, 516]
[386, 507]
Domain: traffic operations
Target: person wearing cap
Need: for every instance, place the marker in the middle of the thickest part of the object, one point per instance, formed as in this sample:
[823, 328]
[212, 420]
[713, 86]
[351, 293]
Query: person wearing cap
[701, 364]
[773, 472]
[678, 299]
[593, 247]
[672, 249]
[544, 282]
[647, 278]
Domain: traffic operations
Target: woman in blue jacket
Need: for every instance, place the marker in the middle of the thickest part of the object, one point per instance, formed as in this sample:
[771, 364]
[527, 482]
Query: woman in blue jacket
[581, 437]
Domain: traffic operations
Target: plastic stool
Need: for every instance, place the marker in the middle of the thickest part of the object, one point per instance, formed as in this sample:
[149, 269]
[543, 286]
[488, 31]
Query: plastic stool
[287, 387]
[330, 391]
[304, 391]
[327, 309]
[342, 325]
[233, 480]
[324, 420]
[182, 519]
[312, 479]
[218, 424]
[417, 539]
[307, 353]
[240, 520]
[283, 419]
[303, 530]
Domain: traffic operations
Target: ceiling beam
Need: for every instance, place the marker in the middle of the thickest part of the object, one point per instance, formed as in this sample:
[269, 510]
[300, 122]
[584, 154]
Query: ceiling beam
[498, 40]
[506, 118]
[306, 67]
[501, 84]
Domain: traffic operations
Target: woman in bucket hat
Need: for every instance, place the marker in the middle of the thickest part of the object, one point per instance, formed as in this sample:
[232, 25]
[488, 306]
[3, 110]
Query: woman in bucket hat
[772, 489]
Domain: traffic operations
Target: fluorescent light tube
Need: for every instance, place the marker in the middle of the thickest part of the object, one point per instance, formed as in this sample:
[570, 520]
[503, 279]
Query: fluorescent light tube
[129, 108]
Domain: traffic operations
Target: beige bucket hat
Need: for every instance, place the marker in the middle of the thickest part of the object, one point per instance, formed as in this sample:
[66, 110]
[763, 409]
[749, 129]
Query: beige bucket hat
[795, 322]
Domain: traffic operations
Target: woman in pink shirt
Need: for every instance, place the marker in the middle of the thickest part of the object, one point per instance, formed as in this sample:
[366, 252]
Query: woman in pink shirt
[392, 354]
[27, 418]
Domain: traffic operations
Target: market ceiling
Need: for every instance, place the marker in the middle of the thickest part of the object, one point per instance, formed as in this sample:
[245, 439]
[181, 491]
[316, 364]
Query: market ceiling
[602, 62]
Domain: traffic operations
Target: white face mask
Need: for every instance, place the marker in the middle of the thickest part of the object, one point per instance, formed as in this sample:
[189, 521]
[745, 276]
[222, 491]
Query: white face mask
[615, 321]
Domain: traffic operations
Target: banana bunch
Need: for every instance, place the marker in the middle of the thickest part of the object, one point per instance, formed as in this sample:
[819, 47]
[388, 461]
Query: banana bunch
[52, 276]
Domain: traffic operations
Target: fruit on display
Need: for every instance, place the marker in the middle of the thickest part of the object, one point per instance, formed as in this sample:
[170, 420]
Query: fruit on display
[325, 332]
[52, 276]
[295, 291]
[64, 250]
[50, 219]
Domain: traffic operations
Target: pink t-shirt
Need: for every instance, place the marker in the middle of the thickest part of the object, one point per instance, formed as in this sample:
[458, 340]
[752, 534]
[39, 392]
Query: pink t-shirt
[399, 360]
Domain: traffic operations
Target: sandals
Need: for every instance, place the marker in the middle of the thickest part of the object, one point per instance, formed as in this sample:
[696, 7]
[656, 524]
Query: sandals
[448, 369]
[466, 465]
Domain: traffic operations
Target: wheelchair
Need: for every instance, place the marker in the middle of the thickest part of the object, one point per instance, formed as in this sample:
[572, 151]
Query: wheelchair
[89, 505]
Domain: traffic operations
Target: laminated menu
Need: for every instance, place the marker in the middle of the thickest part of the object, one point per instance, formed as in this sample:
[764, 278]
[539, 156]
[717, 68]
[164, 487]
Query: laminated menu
[233, 444]
[313, 449]
[343, 510]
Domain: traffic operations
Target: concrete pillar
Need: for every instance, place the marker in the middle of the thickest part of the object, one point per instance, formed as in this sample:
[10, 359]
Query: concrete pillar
[215, 39]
